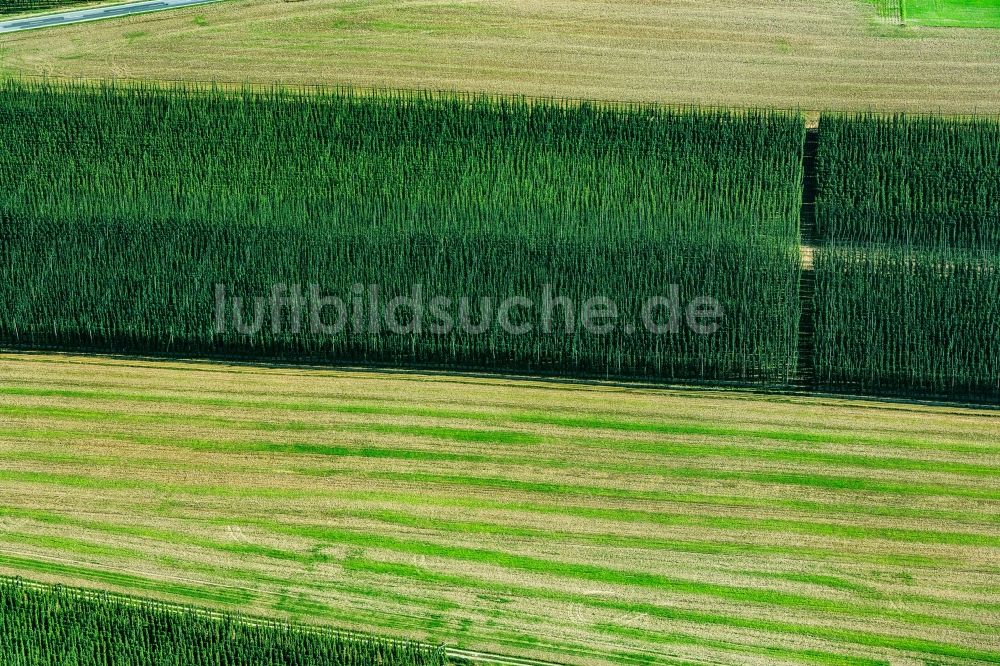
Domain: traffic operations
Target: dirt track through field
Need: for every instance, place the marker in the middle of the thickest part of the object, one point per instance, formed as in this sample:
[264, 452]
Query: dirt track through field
[548, 520]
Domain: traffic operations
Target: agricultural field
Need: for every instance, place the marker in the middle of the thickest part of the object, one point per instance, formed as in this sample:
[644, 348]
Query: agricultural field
[908, 272]
[480, 199]
[906, 320]
[394, 322]
[172, 239]
[584, 523]
[808, 54]
[909, 180]
[13, 7]
[954, 13]
[941, 13]
[116, 630]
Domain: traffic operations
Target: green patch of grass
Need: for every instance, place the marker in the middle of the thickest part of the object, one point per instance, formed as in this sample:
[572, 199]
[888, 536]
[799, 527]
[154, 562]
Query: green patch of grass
[605, 575]
[806, 480]
[517, 417]
[455, 434]
[255, 550]
[327, 407]
[954, 13]
[217, 595]
[292, 448]
[118, 415]
[725, 432]
[832, 582]
[67, 545]
[773, 652]
[672, 517]
[868, 639]
[127, 417]
[98, 483]
[852, 483]
[826, 529]
[301, 605]
[200, 20]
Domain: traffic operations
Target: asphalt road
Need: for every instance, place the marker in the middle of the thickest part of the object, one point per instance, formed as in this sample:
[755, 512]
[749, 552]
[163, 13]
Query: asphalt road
[94, 14]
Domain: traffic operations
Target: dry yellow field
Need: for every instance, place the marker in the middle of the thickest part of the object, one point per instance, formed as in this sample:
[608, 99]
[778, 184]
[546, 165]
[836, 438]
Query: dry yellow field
[809, 54]
[582, 523]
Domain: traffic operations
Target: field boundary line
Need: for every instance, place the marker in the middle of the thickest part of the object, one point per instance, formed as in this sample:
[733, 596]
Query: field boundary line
[810, 115]
[729, 389]
[471, 656]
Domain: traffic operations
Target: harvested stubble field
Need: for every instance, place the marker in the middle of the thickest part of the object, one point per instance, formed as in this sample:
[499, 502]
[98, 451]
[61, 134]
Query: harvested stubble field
[544, 519]
[813, 54]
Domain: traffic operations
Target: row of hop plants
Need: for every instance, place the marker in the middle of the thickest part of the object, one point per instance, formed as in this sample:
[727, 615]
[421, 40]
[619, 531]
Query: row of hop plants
[891, 9]
[899, 319]
[918, 181]
[57, 626]
[11, 7]
[122, 209]
[908, 276]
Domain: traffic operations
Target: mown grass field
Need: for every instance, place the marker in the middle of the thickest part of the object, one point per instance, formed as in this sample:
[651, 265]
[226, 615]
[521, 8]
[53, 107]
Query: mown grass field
[811, 54]
[583, 523]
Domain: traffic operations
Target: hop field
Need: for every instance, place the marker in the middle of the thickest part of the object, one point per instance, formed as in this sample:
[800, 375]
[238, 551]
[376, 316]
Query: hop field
[902, 180]
[908, 288]
[56, 625]
[118, 234]
[25, 6]
[897, 319]
[139, 201]
[890, 9]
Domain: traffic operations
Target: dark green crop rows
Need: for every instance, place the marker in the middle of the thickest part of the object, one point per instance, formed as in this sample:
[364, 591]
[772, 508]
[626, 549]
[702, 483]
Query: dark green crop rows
[123, 210]
[55, 626]
[921, 182]
[25, 6]
[908, 319]
[120, 210]
[908, 280]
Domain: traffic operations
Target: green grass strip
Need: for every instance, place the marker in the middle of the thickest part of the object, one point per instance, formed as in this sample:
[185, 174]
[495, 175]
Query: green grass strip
[227, 596]
[825, 529]
[519, 417]
[604, 575]
[773, 652]
[833, 635]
